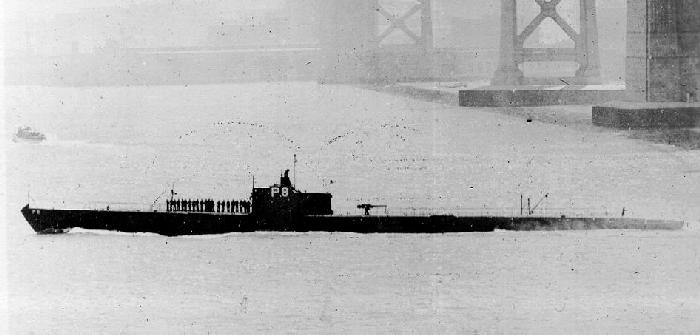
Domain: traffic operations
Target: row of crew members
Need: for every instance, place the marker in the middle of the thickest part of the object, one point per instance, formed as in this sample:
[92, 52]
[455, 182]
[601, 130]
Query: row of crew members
[208, 205]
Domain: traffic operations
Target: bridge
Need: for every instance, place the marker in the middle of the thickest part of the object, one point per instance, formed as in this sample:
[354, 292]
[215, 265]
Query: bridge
[662, 45]
[397, 40]
[353, 43]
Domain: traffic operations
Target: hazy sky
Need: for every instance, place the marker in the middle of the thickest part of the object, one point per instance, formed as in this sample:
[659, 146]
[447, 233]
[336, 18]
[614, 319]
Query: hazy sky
[14, 8]
[186, 22]
[18, 9]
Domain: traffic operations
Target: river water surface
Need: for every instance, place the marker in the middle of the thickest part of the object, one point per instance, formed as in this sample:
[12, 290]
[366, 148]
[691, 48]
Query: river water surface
[126, 147]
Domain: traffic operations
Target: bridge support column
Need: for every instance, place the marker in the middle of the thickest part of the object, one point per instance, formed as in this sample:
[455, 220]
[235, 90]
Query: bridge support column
[354, 50]
[426, 25]
[587, 44]
[514, 53]
[508, 72]
[663, 67]
[663, 50]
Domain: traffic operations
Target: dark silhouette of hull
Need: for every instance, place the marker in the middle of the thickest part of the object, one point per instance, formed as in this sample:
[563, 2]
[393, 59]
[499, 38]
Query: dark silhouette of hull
[194, 223]
[282, 208]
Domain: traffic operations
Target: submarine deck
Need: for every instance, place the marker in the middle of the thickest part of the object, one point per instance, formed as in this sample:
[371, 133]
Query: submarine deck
[201, 223]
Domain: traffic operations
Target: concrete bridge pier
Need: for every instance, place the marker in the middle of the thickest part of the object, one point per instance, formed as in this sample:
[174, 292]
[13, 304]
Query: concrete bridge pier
[663, 50]
[663, 67]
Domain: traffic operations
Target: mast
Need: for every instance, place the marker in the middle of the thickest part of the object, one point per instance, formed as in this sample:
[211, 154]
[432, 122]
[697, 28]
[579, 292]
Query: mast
[294, 184]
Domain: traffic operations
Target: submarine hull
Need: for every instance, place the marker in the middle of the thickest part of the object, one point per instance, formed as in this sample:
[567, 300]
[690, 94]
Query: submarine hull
[45, 221]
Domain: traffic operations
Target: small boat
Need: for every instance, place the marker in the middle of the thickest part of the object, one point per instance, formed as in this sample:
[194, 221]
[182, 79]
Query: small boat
[27, 134]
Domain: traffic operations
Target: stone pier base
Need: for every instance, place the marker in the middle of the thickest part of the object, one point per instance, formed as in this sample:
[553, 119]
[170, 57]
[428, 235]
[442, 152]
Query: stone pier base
[540, 95]
[627, 115]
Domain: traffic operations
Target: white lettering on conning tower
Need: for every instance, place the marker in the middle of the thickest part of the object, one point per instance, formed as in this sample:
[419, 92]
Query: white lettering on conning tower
[274, 191]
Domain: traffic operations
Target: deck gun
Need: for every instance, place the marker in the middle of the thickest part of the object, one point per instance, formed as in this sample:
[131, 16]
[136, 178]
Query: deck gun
[367, 207]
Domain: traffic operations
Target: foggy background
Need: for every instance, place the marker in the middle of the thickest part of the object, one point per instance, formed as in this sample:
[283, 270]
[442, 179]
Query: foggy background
[159, 42]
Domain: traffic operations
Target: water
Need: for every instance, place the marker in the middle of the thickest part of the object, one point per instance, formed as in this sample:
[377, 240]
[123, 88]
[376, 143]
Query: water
[126, 146]
[604, 281]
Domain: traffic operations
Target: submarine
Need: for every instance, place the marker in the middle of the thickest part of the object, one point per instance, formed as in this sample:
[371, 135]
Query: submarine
[282, 208]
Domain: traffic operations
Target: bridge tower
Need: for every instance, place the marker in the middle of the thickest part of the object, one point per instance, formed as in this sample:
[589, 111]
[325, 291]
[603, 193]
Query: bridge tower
[421, 39]
[354, 44]
[513, 52]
